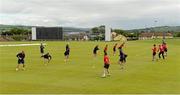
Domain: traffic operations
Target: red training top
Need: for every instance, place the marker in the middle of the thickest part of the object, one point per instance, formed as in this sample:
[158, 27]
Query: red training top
[106, 59]
[154, 49]
[161, 48]
[164, 46]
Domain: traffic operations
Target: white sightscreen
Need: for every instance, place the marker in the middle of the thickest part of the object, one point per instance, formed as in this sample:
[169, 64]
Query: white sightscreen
[33, 33]
[107, 33]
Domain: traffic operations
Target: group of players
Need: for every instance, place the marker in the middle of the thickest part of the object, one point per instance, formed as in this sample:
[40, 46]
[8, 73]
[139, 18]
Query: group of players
[161, 50]
[46, 56]
[122, 59]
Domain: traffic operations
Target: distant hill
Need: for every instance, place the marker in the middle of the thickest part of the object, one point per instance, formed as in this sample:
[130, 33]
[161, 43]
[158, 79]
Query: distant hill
[158, 29]
[65, 29]
[74, 29]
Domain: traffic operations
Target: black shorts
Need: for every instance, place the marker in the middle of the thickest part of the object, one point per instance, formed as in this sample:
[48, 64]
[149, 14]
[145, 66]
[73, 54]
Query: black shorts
[154, 53]
[66, 53]
[42, 51]
[106, 65]
[20, 61]
[121, 59]
[114, 50]
[94, 52]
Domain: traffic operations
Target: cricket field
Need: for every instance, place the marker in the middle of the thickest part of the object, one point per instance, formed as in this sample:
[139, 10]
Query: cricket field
[82, 73]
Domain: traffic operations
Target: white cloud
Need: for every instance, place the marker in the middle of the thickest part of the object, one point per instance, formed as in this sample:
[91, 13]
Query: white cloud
[88, 13]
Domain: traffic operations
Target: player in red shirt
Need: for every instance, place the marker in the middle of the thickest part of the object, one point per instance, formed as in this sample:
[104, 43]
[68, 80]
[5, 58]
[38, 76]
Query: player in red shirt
[165, 48]
[105, 49]
[106, 66]
[161, 51]
[154, 50]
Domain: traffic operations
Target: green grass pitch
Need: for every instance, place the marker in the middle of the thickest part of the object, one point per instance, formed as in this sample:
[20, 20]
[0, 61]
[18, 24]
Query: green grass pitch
[140, 75]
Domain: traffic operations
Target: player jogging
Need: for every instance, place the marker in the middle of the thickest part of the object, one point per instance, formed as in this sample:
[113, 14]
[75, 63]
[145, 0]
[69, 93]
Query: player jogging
[96, 48]
[165, 48]
[161, 51]
[154, 50]
[47, 57]
[66, 53]
[20, 57]
[123, 56]
[106, 66]
[42, 49]
[114, 49]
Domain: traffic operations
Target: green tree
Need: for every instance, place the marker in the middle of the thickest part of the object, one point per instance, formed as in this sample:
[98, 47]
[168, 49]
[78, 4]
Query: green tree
[119, 31]
[95, 30]
[17, 31]
[178, 34]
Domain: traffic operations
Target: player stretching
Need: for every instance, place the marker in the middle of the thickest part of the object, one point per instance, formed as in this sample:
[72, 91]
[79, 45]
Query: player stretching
[96, 48]
[66, 53]
[114, 49]
[161, 51]
[47, 57]
[105, 49]
[123, 56]
[106, 66]
[42, 49]
[20, 57]
[154, 49]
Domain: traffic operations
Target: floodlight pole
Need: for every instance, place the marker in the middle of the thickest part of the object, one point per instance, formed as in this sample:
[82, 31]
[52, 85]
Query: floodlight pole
[155, 22]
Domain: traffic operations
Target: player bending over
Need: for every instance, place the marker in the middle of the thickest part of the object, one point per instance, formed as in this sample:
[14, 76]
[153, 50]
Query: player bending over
[106, 66]
[66, 53]
[122, 59]
[114, 49]
[47, 57]
[154, 50]
[20, 57]
[96, 48]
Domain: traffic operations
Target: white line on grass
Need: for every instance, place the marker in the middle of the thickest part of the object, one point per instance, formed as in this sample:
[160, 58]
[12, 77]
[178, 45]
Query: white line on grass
[14, 45]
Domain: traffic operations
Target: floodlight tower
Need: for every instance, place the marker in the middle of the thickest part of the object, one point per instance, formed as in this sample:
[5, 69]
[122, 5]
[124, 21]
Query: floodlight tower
[155, 25]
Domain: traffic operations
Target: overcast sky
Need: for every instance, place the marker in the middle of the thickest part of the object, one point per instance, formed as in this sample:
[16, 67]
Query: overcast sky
[125, 14]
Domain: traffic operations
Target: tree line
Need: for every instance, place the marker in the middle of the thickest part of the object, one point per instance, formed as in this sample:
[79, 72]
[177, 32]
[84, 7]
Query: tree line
[16, 31]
